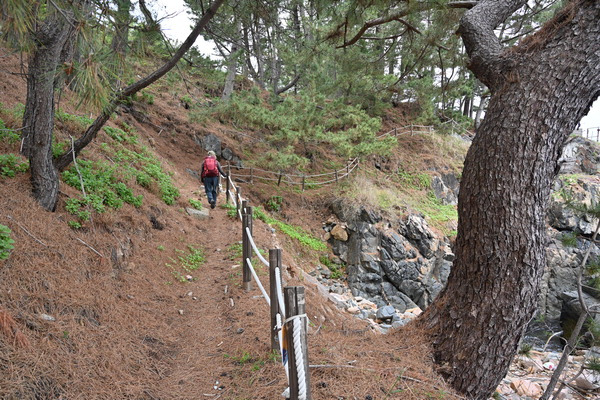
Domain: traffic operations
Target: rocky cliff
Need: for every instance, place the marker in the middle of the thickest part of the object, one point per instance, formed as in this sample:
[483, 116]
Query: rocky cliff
[403, 263]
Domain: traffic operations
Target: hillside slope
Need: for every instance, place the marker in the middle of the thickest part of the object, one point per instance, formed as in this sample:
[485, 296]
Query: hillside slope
[97, 313]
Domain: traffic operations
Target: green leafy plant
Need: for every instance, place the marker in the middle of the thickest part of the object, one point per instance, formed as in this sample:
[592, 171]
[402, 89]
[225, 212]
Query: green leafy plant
[7, 134]
[120, 135]
[6, 242]
[235, 251]
[231, 210]
[336, 271]
[186, 262]
[103, 187]
[274, 203]
[197, 204]
[79, 121]
[292, 231]
[11, 164]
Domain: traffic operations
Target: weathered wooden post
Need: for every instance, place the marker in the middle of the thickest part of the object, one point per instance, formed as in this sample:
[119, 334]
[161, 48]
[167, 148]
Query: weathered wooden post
[303, 182]
[336, 176]
[395, 131]
[295, 305]
[238, 198]
[246, 245]
[227, 187]
[274, 263]
[279, 179]
[251, 175]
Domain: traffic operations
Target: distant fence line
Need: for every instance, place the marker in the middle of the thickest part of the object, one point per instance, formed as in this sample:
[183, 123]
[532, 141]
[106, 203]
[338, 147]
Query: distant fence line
[287, 304]
[589, 133]
[251, 173]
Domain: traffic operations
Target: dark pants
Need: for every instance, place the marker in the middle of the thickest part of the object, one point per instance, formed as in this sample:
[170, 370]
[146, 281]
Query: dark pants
[211, 185]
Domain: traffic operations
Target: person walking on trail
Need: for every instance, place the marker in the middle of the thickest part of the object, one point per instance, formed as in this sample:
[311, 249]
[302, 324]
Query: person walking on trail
[210, 177]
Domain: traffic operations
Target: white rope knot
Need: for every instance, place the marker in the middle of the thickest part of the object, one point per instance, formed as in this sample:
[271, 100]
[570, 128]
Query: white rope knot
[293, 317]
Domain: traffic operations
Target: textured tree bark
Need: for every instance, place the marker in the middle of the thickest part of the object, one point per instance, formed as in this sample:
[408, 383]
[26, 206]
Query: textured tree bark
[38, 119]
[540, 91]
[231, 67]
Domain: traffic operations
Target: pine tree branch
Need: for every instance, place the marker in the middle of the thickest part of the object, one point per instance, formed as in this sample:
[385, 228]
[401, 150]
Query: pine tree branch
[483, 46]
[65, 160]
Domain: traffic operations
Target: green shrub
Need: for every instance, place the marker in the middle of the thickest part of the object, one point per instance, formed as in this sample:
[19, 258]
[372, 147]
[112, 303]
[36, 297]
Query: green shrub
[197, 204]
[103, 188]
[120, 135]
[294, 232]
[274, 203]
[6, 242]
[80, 120]
[336, 271]
[7, 134]
[11, 164]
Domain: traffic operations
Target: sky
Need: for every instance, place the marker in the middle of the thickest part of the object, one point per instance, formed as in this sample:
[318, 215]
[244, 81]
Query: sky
[179, 26]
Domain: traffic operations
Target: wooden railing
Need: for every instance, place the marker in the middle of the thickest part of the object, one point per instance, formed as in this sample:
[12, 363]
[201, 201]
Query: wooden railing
[589, 133]
[249, 174]
[287, 304]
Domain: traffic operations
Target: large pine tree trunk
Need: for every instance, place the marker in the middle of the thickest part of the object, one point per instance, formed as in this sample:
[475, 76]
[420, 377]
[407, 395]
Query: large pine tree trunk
[541, 90]
[38, 120]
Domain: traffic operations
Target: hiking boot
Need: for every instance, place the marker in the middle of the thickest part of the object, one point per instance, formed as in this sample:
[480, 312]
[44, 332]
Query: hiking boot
[213, 204]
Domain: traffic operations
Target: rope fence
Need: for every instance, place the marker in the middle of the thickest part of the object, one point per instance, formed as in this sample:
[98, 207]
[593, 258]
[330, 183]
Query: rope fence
[589, 133]
[249, 174]
[288, 322]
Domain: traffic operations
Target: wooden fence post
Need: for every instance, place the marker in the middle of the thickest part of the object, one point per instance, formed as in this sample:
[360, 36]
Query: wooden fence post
[227, 187]
[395, 131]
[238, 197]
[279, 179]
[303, 182]
[274, 262]
[295, 305]
[246, 246]
[336, 176]
[251, 175]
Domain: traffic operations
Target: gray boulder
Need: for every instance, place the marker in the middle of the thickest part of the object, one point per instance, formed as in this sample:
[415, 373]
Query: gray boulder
[445, 187]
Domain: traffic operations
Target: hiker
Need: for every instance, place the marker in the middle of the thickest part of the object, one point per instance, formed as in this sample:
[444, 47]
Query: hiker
[210, 177]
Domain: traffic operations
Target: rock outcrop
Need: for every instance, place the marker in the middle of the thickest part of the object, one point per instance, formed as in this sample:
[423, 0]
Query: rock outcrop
[401, 263]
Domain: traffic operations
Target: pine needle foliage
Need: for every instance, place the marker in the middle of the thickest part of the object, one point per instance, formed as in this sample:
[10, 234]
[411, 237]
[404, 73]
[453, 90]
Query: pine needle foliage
[17, 21]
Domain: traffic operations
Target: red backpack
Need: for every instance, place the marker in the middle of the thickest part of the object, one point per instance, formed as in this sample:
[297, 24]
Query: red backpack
[210, 167]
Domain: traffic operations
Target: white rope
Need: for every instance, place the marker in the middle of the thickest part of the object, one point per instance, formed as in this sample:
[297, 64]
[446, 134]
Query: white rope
[260, 257]
[279, 290]
[232, 197]
[297, 334]
[260, 286]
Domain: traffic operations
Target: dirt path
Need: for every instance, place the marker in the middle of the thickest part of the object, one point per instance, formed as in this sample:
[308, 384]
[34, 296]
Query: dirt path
[222, 328]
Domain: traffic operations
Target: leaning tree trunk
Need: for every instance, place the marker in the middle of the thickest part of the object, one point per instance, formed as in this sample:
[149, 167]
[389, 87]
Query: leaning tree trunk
[540, 91]
[38, 120]
[232, 66]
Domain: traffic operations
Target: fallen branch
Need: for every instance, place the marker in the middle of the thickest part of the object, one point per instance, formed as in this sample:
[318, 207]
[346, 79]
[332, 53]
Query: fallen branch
[26, 231]
[90, 247]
